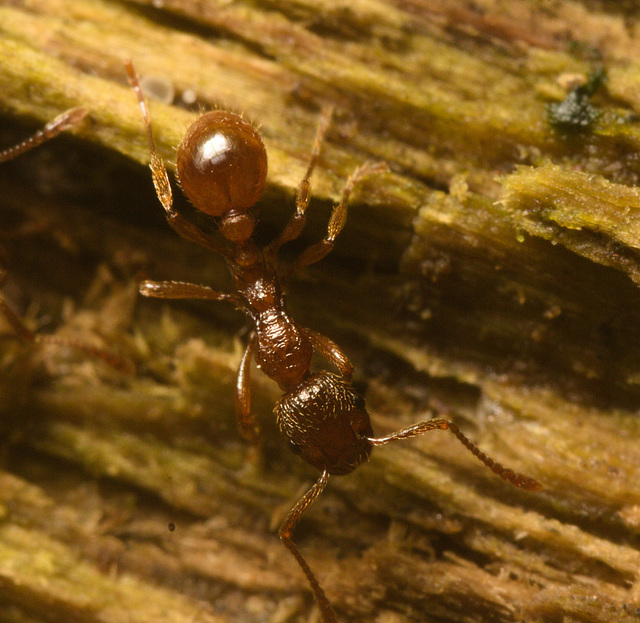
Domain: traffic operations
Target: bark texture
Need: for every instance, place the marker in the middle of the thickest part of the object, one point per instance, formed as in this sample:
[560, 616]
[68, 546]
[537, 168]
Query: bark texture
[491, 276]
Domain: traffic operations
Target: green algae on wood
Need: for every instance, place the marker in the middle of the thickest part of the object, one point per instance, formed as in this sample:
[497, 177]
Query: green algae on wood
[586, 213]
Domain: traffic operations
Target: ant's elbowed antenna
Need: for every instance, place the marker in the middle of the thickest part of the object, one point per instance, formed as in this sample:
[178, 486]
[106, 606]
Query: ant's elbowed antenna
[222, 168]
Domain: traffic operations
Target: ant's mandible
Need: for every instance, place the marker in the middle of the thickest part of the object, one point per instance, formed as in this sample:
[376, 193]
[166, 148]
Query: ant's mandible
[222, 167]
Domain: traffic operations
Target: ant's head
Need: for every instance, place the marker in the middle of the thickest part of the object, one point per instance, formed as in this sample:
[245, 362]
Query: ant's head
[222, 168]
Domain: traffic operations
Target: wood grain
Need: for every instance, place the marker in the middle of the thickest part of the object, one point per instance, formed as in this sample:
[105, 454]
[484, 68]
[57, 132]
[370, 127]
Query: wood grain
[491, 276]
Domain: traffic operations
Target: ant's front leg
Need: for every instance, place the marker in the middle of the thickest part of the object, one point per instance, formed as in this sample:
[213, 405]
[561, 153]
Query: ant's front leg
[338, 218]
[296, 223]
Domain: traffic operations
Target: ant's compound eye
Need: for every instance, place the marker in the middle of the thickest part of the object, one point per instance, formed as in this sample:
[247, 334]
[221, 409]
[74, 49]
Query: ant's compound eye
[222, 163]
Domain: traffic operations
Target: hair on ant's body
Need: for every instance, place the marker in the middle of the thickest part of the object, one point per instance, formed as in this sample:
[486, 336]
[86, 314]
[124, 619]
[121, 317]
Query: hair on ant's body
[222, 166]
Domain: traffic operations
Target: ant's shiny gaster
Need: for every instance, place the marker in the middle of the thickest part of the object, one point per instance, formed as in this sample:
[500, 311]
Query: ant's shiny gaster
[222, 167]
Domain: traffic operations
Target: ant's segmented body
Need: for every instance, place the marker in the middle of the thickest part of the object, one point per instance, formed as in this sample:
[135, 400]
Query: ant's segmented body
[222, 166]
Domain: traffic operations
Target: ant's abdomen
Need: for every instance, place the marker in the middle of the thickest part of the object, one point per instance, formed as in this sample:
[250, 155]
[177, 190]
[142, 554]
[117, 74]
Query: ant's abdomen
[326, 422]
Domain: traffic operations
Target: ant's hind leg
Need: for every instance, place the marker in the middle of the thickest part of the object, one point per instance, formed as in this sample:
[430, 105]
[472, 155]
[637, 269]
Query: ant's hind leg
[332, 353]
[286, 534]
[514, 478]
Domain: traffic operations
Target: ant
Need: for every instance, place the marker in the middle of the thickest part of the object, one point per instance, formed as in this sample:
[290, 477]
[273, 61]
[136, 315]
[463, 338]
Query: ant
[69, 119]
[222, 167]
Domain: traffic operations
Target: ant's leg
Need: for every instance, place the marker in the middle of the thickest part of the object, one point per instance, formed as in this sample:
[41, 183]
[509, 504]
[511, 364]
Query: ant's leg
[246, 424]
[19, 328]
[161, 181]
[27, 335]
[286, 532]
[516, 479]
[331, 352]
[296, 223]
[182, 290]
[338, 218]
[68, 119]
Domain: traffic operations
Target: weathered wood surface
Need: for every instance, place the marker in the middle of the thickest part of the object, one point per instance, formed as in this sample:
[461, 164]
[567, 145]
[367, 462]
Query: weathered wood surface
[493, 276]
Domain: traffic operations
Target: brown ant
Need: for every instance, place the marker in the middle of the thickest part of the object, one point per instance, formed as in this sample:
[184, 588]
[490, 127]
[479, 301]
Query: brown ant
[70, 119]
[222, 167]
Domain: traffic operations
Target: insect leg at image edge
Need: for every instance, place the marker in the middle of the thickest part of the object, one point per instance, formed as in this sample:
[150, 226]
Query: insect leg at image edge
[68, 120]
